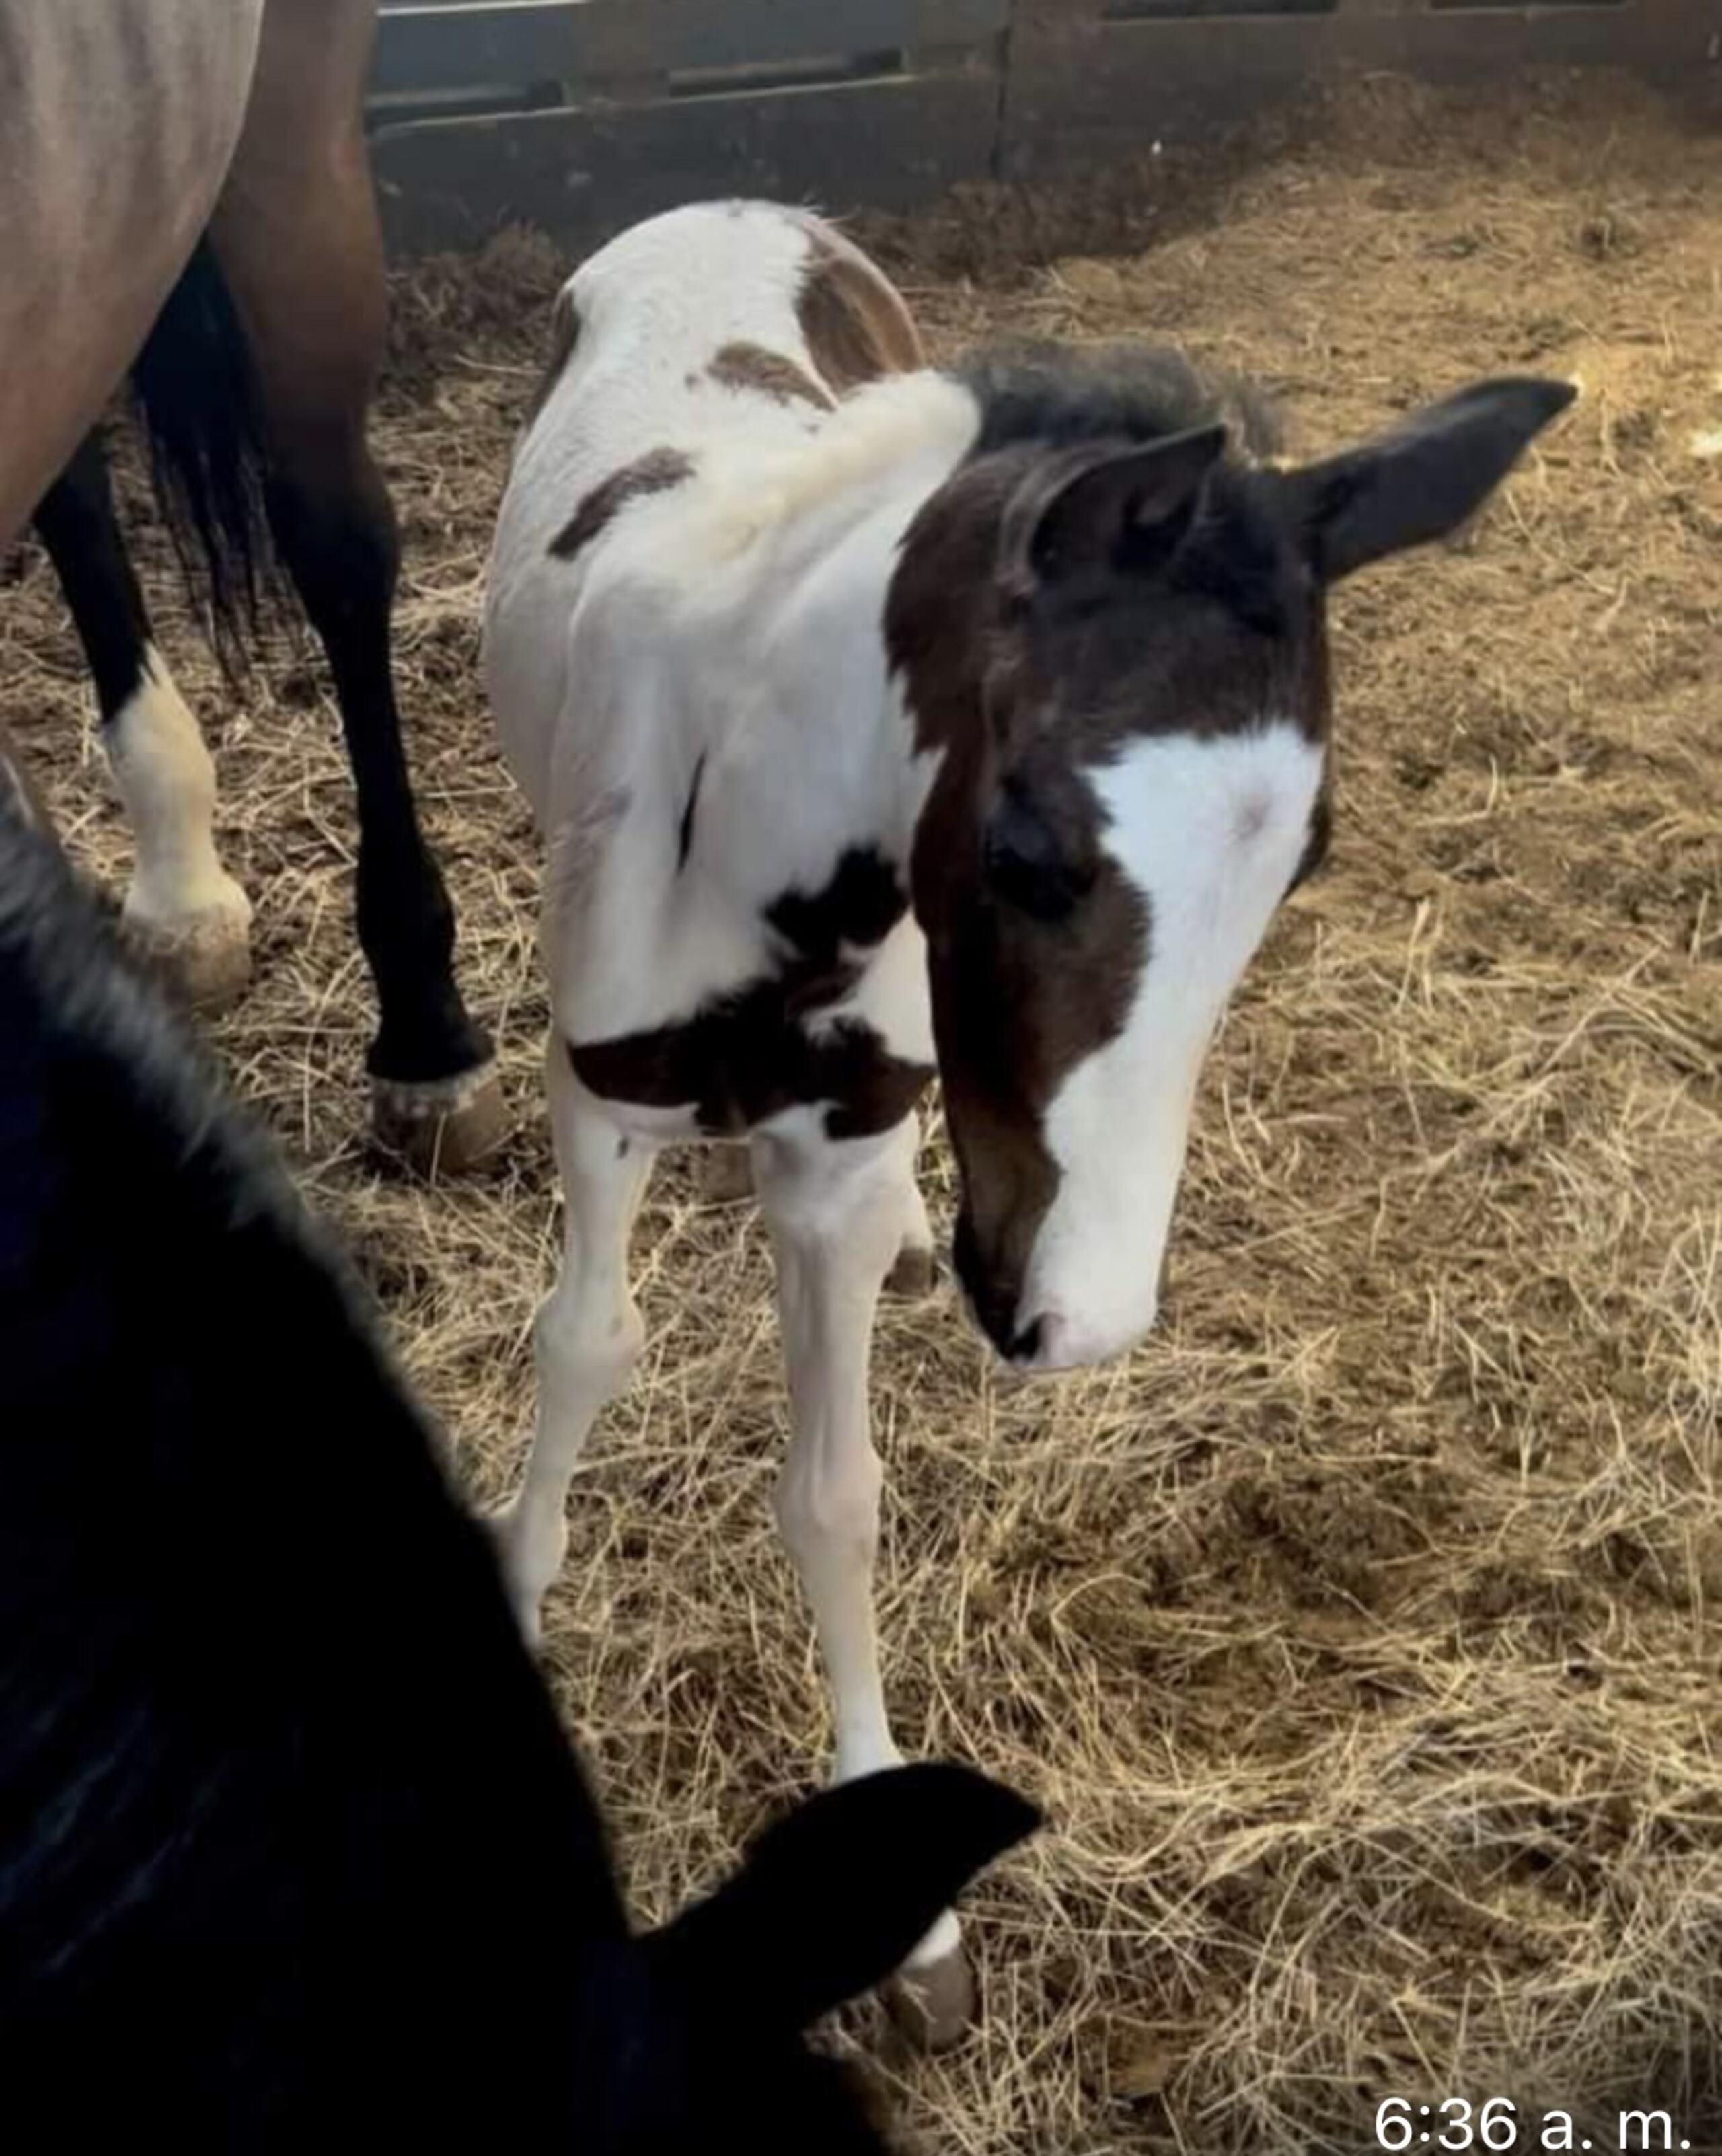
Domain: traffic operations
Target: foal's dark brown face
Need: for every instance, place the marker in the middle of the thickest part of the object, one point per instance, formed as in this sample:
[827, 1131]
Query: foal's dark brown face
[1117, 650]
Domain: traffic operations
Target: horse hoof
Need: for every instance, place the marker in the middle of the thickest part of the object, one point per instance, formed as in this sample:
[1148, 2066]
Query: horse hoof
[445, 1127]
[935, 2005]
[913, 1275]
[205, 959]
[728, 1177]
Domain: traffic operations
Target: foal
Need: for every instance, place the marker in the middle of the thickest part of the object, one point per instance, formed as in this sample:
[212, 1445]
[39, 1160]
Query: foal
[974, 721]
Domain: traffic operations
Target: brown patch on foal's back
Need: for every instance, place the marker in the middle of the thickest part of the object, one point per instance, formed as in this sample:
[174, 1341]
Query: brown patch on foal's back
[853, 318]
[740, 365]
[653, 473]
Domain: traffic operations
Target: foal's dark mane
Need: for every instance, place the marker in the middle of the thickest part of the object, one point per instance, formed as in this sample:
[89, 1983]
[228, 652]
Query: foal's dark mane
[1036, 397]
[1032, 391]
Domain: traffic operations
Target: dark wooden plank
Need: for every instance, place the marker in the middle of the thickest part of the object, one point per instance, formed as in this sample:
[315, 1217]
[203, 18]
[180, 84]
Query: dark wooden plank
[719, 33]
[582, 175]
[1085, 91]
[1136, 11]
[443, 47]
[438, 45]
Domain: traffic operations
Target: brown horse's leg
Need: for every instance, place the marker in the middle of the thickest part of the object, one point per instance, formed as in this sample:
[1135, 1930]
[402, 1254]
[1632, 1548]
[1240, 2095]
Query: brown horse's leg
[182, 906]
[296, 237]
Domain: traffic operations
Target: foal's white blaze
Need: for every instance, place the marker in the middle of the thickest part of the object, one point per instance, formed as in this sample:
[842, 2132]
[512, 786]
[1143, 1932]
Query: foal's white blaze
[1211, 833]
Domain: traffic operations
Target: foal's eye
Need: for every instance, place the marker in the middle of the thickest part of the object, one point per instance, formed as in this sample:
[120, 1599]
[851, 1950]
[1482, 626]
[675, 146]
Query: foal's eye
[1025, 864]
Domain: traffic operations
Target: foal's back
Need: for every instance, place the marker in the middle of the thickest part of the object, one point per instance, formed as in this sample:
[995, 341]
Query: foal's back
[732, 327]
[712, 320]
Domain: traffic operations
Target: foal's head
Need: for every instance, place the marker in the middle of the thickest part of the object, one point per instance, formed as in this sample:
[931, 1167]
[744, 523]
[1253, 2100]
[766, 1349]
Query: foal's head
[1111, 631]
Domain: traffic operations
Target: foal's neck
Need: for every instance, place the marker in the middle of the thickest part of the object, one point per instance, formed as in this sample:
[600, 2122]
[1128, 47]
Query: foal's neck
[838, 513]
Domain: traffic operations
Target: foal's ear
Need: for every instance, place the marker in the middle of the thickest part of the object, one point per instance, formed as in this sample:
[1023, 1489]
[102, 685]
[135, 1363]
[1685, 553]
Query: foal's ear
[1423, 479]
[1086, 504]
[832, 1898]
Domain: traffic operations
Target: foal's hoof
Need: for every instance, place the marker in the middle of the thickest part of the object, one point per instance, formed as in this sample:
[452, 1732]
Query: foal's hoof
[913, 1275]
[445, 1127]
[205, 959]
[728, 1177]
[935, 2005]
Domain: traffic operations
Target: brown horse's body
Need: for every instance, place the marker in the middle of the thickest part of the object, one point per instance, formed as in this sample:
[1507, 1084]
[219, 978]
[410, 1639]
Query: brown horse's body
[129, 131]
[122, 225]
[94, 242]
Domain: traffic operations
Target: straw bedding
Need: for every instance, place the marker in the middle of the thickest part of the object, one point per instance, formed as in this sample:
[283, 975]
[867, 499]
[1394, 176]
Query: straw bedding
[1360, 1634]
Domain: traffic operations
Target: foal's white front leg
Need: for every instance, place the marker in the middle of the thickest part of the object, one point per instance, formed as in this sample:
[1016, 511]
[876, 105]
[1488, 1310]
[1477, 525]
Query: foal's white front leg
[838, 1213]
[588, 1332]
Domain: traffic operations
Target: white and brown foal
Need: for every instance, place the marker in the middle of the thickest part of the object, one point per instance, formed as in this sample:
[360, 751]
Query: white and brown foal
[882, 722]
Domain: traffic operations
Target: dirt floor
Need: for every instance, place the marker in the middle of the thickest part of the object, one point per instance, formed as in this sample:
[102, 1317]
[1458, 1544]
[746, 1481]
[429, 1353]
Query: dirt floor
[1360, 1636]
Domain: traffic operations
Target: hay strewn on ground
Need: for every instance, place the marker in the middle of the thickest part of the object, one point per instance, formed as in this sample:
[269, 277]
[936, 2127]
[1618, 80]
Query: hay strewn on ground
[1361, 1635]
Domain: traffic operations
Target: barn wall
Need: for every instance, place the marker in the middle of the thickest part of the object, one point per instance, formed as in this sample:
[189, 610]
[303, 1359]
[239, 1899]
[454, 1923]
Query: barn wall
[581, 115]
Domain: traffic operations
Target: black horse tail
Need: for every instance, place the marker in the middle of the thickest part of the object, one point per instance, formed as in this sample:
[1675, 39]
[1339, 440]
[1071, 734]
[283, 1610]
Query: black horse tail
[201, 405]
